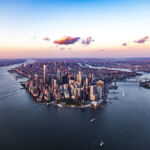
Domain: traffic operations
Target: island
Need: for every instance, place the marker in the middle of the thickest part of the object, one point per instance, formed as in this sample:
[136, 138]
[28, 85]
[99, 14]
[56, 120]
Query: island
[69, 82]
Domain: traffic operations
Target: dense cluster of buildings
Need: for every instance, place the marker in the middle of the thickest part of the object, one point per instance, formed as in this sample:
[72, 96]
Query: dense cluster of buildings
[70, 81]
[61, 81]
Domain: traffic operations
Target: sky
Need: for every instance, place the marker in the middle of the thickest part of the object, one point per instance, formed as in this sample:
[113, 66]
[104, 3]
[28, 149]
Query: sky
[74, 28]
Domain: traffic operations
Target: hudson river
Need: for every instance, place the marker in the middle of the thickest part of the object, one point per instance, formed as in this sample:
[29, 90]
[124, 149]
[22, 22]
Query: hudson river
[26, 125]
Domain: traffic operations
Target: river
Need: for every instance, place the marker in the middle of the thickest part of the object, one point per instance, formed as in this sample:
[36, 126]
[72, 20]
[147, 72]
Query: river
[108, 68]
[24, 124]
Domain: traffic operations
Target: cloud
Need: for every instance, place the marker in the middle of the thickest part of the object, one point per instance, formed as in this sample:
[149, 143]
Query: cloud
[87, 41]
[67, 40]
[46, 39]
[124, 44]
[142, 40]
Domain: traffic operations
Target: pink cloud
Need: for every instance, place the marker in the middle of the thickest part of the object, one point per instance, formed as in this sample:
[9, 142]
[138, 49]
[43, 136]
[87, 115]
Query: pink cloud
[142, 40]
[87, 41]
[67, 40]
[124, 44]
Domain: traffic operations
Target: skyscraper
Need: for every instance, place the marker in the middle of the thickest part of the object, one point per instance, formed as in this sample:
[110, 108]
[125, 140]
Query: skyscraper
[44, 68]
[100, 83]
[92, 92]
[99, 91]
[79, 77]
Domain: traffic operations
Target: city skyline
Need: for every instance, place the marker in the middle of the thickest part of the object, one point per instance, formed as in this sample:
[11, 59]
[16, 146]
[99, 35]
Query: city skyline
[32, 29]
[74, 74]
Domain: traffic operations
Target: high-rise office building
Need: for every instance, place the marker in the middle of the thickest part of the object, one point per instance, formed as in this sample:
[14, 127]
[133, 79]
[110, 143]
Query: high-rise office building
[59, 74]
[92, 92]
[79, 77]
[44, 77]
[101, 84]
[100, 92]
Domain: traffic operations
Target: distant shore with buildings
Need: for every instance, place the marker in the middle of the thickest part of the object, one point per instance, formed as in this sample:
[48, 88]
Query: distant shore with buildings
[8, 62]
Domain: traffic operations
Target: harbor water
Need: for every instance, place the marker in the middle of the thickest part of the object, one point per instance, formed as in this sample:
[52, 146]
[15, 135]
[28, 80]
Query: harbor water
[123, 124]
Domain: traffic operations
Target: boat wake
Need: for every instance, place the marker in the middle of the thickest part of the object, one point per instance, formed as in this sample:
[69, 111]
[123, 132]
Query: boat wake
[92, 120]
[101, 143]
[97, 144]
[123, 94]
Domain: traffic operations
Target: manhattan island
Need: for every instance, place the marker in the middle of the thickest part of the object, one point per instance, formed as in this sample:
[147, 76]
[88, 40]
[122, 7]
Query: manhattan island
[68, 83]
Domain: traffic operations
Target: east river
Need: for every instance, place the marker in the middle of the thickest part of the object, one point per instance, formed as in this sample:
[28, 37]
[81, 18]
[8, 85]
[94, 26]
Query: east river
[123, 124]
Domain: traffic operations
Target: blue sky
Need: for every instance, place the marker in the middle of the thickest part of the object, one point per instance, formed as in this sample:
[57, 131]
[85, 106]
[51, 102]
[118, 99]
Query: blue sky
[109, 22]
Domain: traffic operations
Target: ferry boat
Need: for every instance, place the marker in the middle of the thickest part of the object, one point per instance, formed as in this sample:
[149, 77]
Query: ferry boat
[101, 143]
[92, 120]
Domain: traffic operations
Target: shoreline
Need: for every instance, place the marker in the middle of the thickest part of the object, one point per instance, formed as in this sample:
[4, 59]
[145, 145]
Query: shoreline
[61, 105]
[13, 63]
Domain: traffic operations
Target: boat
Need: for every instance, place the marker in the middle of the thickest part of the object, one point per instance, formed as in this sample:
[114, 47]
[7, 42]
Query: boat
[92, 120]
[59, 105]
[123, 94]
[101, 143]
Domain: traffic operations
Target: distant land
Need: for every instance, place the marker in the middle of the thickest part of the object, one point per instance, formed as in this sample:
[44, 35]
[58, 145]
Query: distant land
[7, 62]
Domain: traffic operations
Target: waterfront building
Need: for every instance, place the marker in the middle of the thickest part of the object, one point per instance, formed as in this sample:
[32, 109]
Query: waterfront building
[76, 93]
[100, 83]
[47, 95]
[100, 92]
[93, 93]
